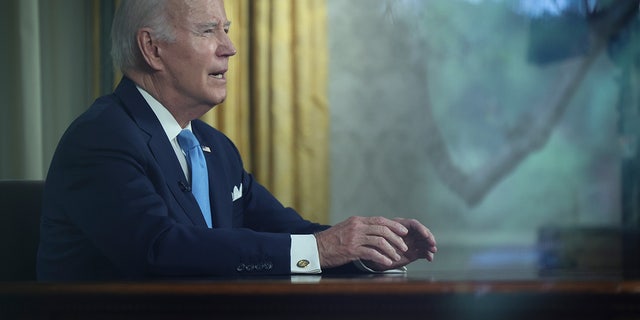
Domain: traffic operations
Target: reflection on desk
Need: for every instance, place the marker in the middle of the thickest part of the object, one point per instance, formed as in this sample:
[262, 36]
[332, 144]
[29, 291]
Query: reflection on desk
[437, 295]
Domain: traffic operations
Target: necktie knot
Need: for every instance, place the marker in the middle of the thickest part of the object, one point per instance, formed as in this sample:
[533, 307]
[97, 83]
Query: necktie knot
[187, 140]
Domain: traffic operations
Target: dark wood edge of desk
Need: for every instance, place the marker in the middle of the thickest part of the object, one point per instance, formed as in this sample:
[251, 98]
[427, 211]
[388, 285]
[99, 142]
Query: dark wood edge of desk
[338, 286]
[327, 299]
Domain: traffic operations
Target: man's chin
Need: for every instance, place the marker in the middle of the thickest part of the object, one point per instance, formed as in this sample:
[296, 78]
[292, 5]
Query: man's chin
[218, 99]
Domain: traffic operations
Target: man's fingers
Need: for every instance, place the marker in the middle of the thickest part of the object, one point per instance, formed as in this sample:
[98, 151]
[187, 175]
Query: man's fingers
[419, 228]
[391, 237]
[395, 226]
[373, 255]
[392, 231]
[430, 256]
[382, 241]
[382, 246]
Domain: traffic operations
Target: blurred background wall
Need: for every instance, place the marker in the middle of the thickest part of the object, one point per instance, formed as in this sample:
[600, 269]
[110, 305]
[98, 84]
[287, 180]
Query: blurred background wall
[508, 127]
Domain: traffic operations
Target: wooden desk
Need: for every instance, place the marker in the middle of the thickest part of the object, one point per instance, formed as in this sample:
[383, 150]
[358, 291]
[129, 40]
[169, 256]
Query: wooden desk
[372, 297]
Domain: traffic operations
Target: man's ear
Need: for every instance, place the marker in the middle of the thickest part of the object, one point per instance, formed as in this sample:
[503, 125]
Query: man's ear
[149, 50]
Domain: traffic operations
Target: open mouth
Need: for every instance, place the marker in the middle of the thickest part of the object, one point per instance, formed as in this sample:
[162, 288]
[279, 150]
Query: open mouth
[218, 74]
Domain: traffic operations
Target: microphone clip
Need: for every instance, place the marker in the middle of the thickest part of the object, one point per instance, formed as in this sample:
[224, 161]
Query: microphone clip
[184, 186]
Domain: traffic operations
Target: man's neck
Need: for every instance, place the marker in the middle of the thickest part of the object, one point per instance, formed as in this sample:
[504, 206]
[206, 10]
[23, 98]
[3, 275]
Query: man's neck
[153, 86]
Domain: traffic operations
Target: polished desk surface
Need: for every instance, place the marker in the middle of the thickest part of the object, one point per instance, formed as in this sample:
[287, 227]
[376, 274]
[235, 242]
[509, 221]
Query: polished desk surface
[502, 281]
[503, 294]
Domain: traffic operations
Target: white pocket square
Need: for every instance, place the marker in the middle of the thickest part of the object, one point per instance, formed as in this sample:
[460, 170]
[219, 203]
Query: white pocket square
[236, 193]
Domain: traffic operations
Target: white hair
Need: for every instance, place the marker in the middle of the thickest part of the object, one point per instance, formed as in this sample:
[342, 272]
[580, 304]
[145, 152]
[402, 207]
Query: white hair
[131, 16]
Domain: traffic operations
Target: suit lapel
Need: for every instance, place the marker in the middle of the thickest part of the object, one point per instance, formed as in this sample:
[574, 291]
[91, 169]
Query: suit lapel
[176, 181]
[160, 148]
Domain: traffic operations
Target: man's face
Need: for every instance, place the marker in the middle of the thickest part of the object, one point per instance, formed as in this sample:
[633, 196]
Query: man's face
[197, 61]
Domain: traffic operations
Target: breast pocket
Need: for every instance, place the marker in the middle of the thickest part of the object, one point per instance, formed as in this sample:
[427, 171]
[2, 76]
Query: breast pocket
[236, 195]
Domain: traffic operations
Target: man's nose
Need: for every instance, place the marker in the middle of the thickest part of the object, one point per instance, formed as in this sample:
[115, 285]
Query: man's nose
[226, 47]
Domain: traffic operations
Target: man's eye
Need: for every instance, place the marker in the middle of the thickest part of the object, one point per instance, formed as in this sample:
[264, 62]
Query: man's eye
[209, 31]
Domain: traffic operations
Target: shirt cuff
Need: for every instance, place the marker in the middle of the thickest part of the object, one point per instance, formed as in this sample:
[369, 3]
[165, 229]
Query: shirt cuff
[304, 254]
[363, 267]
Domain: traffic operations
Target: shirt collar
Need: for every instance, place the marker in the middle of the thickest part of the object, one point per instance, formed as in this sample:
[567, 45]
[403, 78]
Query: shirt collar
[168, 122]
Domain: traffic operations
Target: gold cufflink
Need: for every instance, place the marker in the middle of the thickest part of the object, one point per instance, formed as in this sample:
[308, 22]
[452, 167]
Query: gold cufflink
[302, 263]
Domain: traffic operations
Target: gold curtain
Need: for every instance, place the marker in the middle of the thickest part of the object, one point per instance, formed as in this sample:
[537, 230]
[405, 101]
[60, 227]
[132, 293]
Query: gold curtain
[277, 111]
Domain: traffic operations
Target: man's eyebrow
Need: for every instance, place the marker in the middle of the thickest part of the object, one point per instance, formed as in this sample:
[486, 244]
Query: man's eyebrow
[213, 24]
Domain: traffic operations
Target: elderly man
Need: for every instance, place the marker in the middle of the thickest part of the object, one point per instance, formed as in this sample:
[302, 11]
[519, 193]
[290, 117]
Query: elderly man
[139, 188]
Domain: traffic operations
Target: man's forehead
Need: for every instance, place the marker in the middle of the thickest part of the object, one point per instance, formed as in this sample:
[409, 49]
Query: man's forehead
[204, 11]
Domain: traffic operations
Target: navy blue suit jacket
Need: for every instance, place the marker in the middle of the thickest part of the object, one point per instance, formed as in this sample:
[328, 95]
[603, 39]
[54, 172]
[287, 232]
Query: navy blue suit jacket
[116, 207]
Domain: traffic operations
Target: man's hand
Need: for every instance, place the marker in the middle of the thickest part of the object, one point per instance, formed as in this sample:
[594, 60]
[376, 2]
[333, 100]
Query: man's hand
[381, 242]
[419, 240]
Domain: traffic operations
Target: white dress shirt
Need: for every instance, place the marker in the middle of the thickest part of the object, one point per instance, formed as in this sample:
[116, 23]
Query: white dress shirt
[304, 248]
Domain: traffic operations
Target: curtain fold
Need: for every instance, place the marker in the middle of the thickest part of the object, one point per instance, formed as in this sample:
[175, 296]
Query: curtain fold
[276, 109]
[21, 129]
[31, 82]
[312, 100]
[289, 103]
[45, 80]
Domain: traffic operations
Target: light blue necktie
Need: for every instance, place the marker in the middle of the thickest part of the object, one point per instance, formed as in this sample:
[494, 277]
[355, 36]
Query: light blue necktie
[199, 175]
